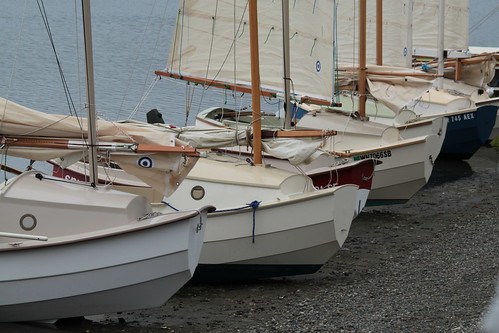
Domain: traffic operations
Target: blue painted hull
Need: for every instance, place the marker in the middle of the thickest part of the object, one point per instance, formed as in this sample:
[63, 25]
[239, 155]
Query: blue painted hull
[467, 132]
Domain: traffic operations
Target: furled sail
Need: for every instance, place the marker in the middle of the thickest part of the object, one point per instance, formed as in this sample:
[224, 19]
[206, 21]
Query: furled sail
[395, 87]
[295, 151]
[158, 158]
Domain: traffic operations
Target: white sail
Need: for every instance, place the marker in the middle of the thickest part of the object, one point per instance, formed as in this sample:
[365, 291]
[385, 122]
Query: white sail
[396, 23]
[211, 41]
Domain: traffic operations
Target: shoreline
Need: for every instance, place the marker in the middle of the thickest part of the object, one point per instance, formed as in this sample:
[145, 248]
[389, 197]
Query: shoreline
[428, 265]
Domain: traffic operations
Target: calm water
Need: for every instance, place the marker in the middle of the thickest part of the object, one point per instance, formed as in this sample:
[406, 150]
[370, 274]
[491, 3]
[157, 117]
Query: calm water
[131, 40]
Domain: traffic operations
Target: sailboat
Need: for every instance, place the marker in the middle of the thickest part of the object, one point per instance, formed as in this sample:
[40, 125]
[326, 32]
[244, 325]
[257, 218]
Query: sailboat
[419, 29]
[396, 180]
[73, 249]
[269, 222]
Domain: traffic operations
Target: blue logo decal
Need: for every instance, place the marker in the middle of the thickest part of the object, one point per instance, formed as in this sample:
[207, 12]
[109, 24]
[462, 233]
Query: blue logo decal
[318, 66]
[145, 162]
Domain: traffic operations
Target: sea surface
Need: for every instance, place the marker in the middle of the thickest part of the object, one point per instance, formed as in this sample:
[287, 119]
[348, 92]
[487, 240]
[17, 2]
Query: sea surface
[130, 41]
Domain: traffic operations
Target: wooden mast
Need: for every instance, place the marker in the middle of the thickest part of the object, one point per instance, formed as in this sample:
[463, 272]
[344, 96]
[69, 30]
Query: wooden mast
[362, 59]
[287, 79]
[379, 32]
[255, 82]
[92, 128]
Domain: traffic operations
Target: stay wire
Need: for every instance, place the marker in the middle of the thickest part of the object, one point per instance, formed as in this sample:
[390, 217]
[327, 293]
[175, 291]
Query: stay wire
[69, 99]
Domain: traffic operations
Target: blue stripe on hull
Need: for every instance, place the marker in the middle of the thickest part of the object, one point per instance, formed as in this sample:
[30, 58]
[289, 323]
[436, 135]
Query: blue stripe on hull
[467, 132]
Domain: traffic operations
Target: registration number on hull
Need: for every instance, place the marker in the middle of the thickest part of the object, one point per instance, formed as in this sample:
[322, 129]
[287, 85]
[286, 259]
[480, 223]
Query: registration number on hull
[376, 155]
[460, 117]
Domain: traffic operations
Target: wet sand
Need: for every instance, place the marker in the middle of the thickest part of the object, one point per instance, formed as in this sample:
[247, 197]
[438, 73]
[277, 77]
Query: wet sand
[429, 265]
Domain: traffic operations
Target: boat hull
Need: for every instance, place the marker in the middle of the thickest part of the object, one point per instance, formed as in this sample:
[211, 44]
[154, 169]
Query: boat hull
[94, 266]
[328, 171]
[281, 239]
[279, 235]
[407, 153]
[468, 131]
[403, 172]
[293, 230]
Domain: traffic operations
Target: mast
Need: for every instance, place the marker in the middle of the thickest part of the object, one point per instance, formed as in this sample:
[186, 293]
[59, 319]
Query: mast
[287, 79]
[362, 59]
[440, 41]
[379, 32]
[410, 6]
[92, 137]
[255, 82]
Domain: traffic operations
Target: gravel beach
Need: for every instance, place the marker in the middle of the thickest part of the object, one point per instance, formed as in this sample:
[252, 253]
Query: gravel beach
[430, 265]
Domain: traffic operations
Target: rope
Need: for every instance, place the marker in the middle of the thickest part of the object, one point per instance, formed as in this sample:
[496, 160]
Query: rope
[145, 90]
[268, 35]
[69, 98]
[67, 93]
[143, 98]
[254, 204]
[166, 203]
[483, 19]
[312, 49]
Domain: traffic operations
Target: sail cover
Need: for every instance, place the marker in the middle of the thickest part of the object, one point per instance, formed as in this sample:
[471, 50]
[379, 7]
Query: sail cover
[163, 171]
[296, 151]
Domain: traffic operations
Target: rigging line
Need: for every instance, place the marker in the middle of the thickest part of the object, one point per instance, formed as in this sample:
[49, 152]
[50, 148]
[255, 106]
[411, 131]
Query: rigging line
[174, 44]
[181, 37]
[233, 45]
[69, 99]
[131, 73]
[485, 18]
[213, 22]
[144, 97]
[43, 13]
[77, 33]
[188, 108]
[268, 35]
[4, 162]
[189, 97]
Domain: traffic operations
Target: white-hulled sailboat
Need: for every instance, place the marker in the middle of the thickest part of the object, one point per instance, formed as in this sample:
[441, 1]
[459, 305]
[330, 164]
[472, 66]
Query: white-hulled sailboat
[431, 36]
[269, 222]
[313, 81]
[73, 249]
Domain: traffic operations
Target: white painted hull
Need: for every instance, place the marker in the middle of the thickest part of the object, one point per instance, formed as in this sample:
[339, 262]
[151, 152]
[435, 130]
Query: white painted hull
[407, 153]
[284, 232]
[336, 171]
[90, 265]
[294, 225]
